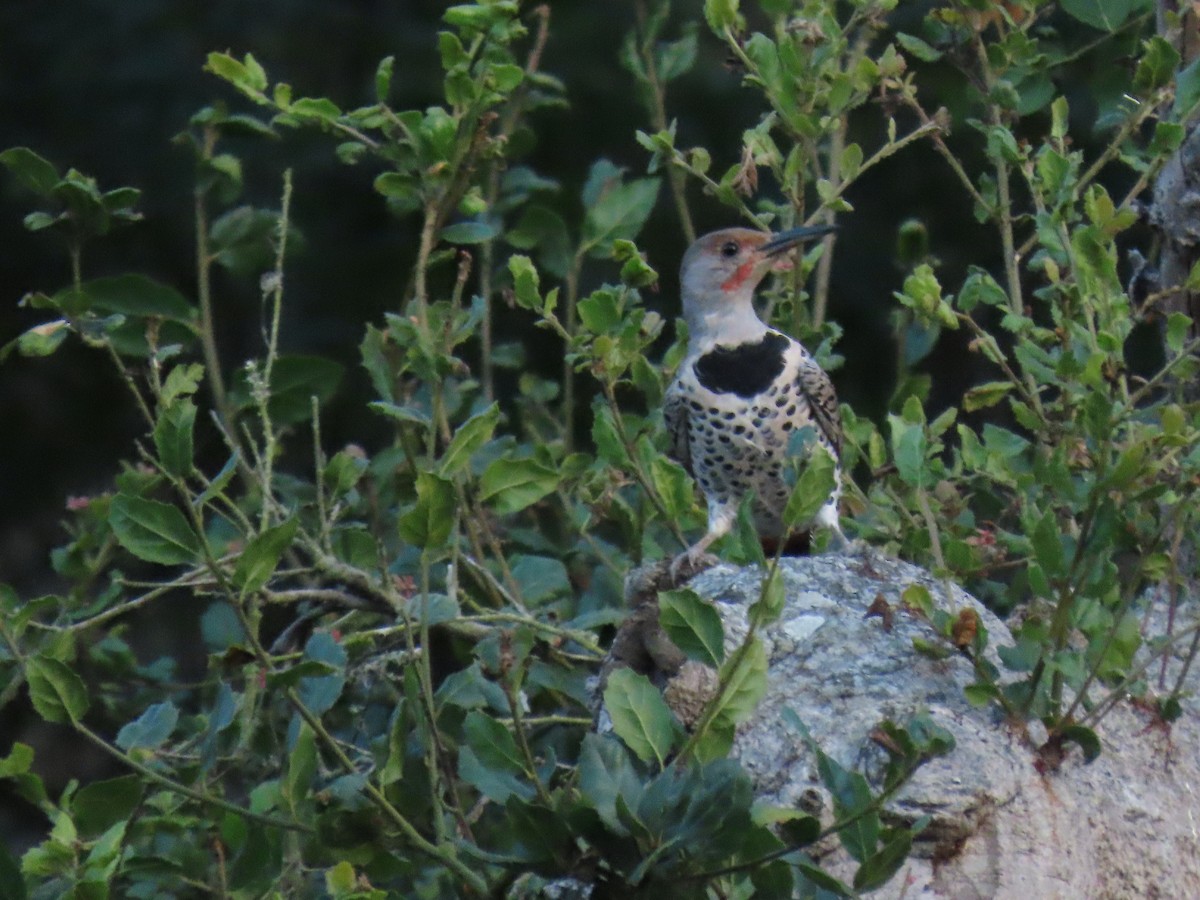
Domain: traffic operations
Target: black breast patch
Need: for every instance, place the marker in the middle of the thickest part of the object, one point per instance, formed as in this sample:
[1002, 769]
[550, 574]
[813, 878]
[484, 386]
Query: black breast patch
[746, 370]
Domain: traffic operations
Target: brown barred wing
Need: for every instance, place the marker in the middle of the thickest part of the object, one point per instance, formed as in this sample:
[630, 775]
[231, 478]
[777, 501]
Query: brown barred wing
[822, 401]
[675, 414]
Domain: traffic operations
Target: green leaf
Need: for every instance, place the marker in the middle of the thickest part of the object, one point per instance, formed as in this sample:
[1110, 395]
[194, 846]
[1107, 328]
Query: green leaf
[693, 625]
[606, 774]
[1157, 66]
[673, 486]
[344, 470]
[18, 761]
[173, 437]
[24, 783]
[534, 833]
[340, 880]
[879, 867]
[1168, 136]
[100, 805]
[851, 797]
[1085, 737]
[1187, 88]
[1002, 145]
[247, 77]
[813, 488]
[469, 689]
[980, 287]
[408, 414]
[40, 340]
[980, 695]
[57, 693]
[181, 381]
[985, 395]
[321, 109]
[133, 295]
[918, 48]
[745, 676]
[469, 233]
[506, 76]
[917, 596]
[1047, 546]
[922, 292]
[544, 229]
[852, 158]
[542, 578]
[470, 437]
[396, 186]
[12, 883]
[640, 716]
[301, 769]
[822, 880]
[151, 729]
[1104, 15]
[383, 78]
[320, 692]
[619, 211]
[82, 198]
[722, 16]
[908, 448]
[261, 557]
[295, 380]
[601, 311]
[676, 58]
[429, 522]
[293, 674]
[256, 75]
[511, 485]
[491, 761]
[153, 531]
[219, 482]
[745, 534]
[525, 282]
[245, 240]
[609, 446]
[769, 606]
[431, 609]
[1178, 326]
[31, 170]
[39, 221]
[797, 829]
[478, 16]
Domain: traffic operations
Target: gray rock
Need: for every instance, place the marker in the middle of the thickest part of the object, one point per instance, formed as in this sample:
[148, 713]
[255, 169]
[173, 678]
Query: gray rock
[1124, 826]
[842, 673]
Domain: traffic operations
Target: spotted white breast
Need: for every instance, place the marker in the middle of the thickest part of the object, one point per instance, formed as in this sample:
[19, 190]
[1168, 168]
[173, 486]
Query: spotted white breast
[731, 412]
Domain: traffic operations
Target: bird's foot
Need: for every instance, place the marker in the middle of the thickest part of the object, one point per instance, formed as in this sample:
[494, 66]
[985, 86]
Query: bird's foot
[857, 548]
[689, 564]
[840, 545]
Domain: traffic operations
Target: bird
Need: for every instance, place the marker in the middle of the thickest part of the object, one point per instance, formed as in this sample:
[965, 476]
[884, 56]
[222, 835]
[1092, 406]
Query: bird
[743, 388]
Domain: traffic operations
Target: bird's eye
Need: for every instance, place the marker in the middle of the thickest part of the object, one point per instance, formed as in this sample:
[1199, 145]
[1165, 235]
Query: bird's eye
[729, 248]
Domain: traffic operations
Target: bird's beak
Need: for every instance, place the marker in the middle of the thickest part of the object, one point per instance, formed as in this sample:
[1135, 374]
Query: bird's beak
[782, 241]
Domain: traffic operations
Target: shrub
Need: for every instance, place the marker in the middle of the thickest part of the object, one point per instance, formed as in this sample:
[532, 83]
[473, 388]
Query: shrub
[419, 725]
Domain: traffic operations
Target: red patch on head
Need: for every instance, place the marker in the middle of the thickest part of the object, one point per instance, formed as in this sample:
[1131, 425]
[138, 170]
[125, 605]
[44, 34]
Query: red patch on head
[738, 278]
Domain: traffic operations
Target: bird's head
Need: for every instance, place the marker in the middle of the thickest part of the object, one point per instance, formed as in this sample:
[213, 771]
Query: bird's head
[721, 270]
[733, 261]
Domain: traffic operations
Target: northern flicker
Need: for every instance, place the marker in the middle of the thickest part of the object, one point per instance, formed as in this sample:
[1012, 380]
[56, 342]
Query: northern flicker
[744, 388]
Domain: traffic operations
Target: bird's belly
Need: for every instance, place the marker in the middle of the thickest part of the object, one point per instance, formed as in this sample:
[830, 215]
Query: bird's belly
[735, 453]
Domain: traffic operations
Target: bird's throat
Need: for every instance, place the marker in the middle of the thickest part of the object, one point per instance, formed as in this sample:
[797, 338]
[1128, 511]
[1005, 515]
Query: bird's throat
[741, 275]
